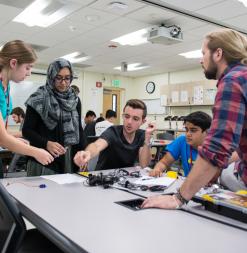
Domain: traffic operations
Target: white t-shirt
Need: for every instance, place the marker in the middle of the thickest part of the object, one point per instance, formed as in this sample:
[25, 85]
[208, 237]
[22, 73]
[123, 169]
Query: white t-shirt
[100, 127]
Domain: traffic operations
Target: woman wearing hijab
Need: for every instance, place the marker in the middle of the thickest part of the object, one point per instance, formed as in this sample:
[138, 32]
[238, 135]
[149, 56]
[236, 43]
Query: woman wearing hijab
[53, 121]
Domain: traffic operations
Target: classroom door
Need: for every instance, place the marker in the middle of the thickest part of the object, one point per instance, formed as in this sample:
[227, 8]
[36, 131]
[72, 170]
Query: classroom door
[111, 100]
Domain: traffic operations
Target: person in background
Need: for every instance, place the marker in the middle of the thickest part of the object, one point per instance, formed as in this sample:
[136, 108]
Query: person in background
[16, 61]
[53, 121]
[76, 89]
[99, 119]
[89, 118]
[18, 115]
[185, 146]
[100, 127]
[18, 161]
[121, 146]
[225, 59]
[89, 130]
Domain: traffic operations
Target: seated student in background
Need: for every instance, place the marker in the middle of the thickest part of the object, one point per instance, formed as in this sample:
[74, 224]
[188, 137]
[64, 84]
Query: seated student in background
[100, 127]
[18, 115]
[99, 119]
[89, 118]
[120, 146]
[18, 161]
[53, 121]
[89, 130]
[185, 146]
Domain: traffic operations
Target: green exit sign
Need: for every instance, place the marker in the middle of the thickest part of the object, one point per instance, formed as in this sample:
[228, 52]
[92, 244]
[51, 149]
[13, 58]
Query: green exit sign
[116, 83]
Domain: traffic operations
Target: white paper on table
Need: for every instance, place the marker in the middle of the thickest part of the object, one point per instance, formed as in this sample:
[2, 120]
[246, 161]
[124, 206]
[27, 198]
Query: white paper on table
[150, 181]
[65, 178]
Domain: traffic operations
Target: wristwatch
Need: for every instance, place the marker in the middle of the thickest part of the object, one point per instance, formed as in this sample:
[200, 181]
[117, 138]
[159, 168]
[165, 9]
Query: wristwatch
[181, 198]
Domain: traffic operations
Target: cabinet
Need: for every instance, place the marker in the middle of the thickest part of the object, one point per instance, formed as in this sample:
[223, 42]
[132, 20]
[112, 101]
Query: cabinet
[189, 94]
[174, 95]
[209, 92]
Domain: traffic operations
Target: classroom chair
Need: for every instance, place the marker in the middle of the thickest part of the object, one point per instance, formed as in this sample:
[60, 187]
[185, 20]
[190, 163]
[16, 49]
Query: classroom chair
[14, 237]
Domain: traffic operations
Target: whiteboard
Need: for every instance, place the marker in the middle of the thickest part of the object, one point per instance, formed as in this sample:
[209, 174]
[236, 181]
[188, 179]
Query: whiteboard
[20, 92]
[154, 106]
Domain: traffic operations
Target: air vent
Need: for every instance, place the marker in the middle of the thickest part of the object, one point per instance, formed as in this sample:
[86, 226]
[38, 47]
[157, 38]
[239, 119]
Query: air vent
[38, 48]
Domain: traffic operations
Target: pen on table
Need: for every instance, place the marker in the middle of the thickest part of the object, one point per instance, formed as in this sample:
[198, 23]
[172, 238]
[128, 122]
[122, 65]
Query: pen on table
[83, 167]
[144, 179]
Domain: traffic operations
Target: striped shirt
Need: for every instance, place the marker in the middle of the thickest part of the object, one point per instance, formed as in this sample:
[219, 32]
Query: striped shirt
[228, 130]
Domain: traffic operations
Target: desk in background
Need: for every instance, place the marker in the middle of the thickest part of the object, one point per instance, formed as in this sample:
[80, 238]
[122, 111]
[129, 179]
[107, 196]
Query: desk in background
[174, 131]
[159, 145]
[5, 154]
[86, 219]
[5, 157]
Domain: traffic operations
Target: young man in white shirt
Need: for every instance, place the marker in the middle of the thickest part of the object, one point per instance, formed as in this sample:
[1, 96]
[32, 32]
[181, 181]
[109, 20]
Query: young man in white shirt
[100, 127]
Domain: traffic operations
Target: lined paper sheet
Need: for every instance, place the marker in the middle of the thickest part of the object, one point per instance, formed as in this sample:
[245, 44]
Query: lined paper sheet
[149, 181]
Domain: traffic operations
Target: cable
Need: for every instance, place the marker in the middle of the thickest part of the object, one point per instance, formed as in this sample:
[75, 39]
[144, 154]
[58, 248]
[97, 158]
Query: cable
[26, 184]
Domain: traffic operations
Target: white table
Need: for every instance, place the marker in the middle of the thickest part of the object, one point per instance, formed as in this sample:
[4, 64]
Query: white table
[86, 219]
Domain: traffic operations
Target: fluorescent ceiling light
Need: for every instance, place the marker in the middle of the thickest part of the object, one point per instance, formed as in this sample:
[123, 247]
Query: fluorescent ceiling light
[244, 2]
[133, 39]
[44, 13]
[75, 57]
[192, 54]
[117, 6]
[134, 67]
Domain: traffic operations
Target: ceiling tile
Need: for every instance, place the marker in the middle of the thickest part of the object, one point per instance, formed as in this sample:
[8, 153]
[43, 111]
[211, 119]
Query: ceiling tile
[231, 9]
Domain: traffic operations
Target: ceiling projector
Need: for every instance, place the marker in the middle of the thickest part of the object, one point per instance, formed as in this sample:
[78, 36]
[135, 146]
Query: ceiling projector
[165, 35]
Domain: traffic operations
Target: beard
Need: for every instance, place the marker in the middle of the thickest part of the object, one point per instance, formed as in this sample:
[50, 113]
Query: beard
[212, 70]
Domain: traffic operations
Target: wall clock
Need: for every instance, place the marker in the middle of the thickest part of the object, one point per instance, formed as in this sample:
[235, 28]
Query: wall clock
[150, 87]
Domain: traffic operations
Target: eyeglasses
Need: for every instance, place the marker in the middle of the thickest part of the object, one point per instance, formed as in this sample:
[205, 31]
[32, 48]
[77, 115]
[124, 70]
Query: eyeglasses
[67, 79]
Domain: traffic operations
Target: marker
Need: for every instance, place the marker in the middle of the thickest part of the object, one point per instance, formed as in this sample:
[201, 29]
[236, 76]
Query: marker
[149, 178]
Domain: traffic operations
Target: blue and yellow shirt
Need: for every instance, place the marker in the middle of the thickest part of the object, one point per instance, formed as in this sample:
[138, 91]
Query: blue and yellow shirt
[179, 148]
[5, 101]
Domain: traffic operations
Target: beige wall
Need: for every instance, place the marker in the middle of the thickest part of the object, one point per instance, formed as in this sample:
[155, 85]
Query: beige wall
[90, 93]
[139, 86]
[186, 76]
[169, 79]
[92, 97]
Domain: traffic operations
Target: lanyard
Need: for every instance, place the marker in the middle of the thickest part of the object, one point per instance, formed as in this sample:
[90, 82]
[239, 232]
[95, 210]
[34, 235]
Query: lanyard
[7, 104]
[7, 99]
[191, 164]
